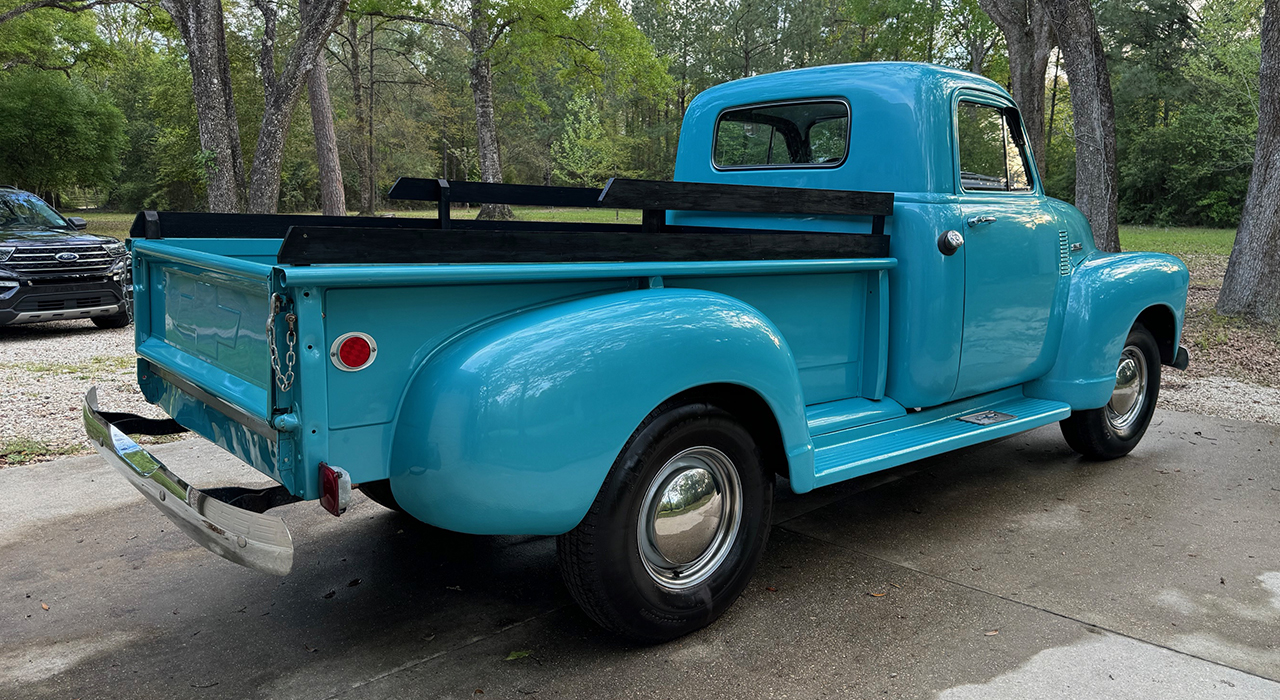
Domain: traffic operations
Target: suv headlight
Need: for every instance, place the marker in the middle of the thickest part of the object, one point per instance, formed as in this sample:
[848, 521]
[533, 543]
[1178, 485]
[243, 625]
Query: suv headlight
[116, 249]
[5, 253]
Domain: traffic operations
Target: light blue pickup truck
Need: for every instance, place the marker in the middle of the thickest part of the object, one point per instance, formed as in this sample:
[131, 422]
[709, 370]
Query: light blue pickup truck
[855, 267]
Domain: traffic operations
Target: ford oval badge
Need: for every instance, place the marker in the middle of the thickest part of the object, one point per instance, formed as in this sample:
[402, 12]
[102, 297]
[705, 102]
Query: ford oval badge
[67, 257]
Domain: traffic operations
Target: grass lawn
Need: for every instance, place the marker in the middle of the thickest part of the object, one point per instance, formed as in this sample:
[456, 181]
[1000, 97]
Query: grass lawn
[1182, 242]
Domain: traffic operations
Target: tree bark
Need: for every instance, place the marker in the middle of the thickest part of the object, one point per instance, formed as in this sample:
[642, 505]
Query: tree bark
[200, 22]
[364, 167]
[481, 38]
[282, 92]
[333, 199]
[1252, 284]
[1097, 194]
[1027, 33]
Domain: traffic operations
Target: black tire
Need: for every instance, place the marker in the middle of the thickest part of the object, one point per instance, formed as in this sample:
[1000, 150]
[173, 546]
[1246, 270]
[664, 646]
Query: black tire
[1104, 433]
[380, 492]
[601, 559]
[119, 320]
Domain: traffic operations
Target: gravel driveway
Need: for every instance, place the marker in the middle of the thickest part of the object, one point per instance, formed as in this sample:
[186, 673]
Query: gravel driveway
[45, 369]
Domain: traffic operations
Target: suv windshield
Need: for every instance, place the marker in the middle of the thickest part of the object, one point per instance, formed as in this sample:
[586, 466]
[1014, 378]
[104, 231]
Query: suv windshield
[25, 210]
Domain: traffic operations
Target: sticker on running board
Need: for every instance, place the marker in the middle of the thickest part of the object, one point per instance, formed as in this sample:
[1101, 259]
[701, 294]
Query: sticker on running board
[986, 418]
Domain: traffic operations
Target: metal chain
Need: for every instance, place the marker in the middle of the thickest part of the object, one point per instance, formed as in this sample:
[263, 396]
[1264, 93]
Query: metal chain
[284, 379]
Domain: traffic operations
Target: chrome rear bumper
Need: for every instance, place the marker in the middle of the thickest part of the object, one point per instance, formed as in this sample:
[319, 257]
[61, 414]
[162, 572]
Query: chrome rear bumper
[256, 540]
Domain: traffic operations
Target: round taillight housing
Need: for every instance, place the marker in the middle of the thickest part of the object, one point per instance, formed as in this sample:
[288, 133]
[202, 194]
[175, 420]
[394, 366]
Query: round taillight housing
[353, 351]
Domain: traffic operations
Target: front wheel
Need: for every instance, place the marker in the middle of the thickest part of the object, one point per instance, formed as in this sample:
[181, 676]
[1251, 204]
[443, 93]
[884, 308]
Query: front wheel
[119, 320]
[1115, 429]
[677, 529]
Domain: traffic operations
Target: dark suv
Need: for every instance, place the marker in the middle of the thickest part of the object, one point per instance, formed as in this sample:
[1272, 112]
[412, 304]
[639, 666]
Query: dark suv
[50, 271]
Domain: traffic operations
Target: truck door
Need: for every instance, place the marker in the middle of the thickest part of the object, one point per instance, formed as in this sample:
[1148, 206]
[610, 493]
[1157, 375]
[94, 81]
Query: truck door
[1012, 251]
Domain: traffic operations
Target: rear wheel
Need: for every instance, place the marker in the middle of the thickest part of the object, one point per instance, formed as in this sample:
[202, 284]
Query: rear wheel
[1115, 429]
[677, 529]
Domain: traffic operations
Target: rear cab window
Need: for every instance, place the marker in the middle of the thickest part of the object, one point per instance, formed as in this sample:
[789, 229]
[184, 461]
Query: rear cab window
[992, 150]
[799, 134]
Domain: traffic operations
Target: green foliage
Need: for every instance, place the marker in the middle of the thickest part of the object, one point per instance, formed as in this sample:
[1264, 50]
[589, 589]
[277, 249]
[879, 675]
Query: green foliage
[588, 89]
[56, 132]
[585, 154]
[1185, 85]
[50, 39]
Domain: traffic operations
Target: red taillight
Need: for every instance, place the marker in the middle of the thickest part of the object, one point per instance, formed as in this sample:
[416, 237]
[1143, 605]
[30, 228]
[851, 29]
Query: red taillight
[335, 489]
[353, 351]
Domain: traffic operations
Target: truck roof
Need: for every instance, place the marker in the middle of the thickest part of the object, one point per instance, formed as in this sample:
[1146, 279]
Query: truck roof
[900, 125]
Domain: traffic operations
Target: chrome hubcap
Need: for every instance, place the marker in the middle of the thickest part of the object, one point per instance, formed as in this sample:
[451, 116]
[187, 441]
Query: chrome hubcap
[1130, 394]
[690, 517]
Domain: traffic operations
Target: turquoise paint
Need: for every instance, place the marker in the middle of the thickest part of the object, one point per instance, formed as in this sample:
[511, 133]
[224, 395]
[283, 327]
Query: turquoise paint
[1108, 293]
[894, 442]
[835, 416]
[501, 394]
[512, 428]
[251, 448]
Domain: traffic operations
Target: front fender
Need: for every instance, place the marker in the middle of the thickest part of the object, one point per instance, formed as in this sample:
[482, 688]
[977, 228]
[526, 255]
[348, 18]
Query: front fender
[1108, 293]
[511, 429]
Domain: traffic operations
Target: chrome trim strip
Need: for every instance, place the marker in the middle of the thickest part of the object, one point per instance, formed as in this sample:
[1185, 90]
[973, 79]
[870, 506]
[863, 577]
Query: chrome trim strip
[227, 409]
[256, 540]
[65, 314]
[81, 269]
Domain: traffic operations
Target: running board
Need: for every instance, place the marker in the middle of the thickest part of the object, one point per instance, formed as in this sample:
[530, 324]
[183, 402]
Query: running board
[869, 448]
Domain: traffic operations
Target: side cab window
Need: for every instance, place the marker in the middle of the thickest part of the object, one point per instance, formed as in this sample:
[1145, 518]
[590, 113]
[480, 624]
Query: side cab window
[992, 151]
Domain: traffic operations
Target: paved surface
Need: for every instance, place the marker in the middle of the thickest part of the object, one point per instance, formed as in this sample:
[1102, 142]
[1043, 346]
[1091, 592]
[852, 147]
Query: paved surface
[1012, 570]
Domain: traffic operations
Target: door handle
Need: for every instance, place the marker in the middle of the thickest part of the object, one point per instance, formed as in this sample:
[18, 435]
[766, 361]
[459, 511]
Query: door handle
[979, 220]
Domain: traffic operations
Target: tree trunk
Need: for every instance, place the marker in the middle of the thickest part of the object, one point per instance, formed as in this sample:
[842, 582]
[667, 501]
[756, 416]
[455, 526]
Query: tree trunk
[481, 38]
[1097, 194]
[363, 166]
[1252, 285]
[282, 93]
[1030, 40]
[368, 134]
[487, 134]
[333, 200]
[200, 22]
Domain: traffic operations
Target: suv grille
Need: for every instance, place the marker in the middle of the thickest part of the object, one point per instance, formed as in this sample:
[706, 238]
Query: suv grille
[43, 260]
[81, 302]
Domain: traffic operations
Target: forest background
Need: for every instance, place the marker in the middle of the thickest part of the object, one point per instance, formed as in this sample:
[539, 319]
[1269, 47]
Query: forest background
[97, 107]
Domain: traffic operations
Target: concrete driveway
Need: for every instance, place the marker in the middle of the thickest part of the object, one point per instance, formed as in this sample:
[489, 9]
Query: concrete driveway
[1012, 570]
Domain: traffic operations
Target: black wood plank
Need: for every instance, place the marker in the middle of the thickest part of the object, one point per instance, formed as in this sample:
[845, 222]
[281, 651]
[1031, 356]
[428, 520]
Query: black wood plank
[310, 245]
[622, 193]
[181, 224]
[461, 192]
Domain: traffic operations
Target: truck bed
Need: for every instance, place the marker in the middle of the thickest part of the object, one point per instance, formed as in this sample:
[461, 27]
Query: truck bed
[206, 284]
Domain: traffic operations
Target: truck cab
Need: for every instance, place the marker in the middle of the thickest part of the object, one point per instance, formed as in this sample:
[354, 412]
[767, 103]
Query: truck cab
[855, 267]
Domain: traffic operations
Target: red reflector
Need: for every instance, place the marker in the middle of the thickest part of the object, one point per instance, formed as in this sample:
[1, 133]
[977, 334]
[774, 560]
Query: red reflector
[354, 352]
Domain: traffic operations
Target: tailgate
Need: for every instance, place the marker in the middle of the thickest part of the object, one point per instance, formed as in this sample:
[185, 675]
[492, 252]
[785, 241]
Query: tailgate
[201, 324]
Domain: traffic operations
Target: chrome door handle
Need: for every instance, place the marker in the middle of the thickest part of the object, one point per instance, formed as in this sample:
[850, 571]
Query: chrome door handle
[978, 220]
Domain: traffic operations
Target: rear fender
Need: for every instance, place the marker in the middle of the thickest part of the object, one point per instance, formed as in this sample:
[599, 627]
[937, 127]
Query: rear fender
[1109, 292]
[512, 427]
